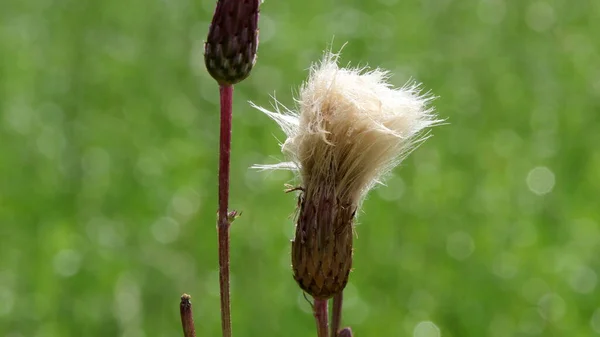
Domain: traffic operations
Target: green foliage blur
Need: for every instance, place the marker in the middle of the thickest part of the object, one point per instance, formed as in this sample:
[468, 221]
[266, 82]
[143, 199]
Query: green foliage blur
[108, 166]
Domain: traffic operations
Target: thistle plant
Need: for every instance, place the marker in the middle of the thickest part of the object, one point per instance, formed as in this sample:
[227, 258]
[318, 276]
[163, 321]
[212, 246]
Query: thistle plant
[229, 55]
[350, 128]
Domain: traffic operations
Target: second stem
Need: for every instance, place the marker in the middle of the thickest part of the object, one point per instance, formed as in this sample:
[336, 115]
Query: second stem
[336, 316]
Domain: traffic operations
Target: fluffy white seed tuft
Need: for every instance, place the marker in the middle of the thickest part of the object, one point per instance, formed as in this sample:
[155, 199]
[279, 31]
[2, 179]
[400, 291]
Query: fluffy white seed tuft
[350, 129]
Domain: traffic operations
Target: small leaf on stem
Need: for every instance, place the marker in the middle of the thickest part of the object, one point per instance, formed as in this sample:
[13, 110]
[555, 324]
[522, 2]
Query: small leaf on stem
[232, 215]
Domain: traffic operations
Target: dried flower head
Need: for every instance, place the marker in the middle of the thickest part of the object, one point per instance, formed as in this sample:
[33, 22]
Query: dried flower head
[351, 128]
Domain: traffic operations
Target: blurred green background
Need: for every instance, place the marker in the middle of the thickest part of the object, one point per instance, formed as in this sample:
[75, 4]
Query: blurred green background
[108, 165]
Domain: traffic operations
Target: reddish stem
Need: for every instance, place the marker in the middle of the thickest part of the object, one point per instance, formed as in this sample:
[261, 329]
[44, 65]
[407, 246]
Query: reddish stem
[321, 317]
[336, 316]
[187, 320]
[226, 93]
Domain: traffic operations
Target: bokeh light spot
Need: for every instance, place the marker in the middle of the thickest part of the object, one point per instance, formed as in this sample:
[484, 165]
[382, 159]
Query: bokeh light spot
[186, 202]
[506, 265]
[95, 162]
[355, 308]
[533, 289]
[7, 300]
[67, 262]
[393, 189]
[19, 117]
[421, 302]
[133, 330]
[552, 307]
[526, 234]
[506, 143]
[165, 230]
[540, 16]
[268, 27]
[51, 142]
[491, 11]
[127, 299]
[460, 245]
[501, 326]
[540, 180]
[150, 163]
[531, 323]
[426, 329]
[388, 2]
[303, 304]
[583, 280]
[595, 321]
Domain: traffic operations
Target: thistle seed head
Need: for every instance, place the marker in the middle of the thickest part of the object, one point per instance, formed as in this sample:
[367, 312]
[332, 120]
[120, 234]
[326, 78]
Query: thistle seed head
[230, 49]
[351, 127]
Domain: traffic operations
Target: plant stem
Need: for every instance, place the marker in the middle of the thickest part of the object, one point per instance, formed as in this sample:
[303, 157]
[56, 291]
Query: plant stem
[321, 317]
[226, 94]
[336, 316]
[187, 320]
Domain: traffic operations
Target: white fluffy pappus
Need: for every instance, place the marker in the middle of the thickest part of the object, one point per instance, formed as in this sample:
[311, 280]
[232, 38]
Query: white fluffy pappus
[351, 127]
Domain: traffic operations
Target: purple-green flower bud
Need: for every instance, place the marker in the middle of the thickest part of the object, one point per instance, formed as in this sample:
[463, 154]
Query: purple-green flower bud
[346, 332]
[230, 49]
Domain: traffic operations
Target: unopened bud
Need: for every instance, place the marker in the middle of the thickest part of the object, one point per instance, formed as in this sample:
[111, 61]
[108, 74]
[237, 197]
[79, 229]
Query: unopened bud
[346, 332]
[230, 49]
